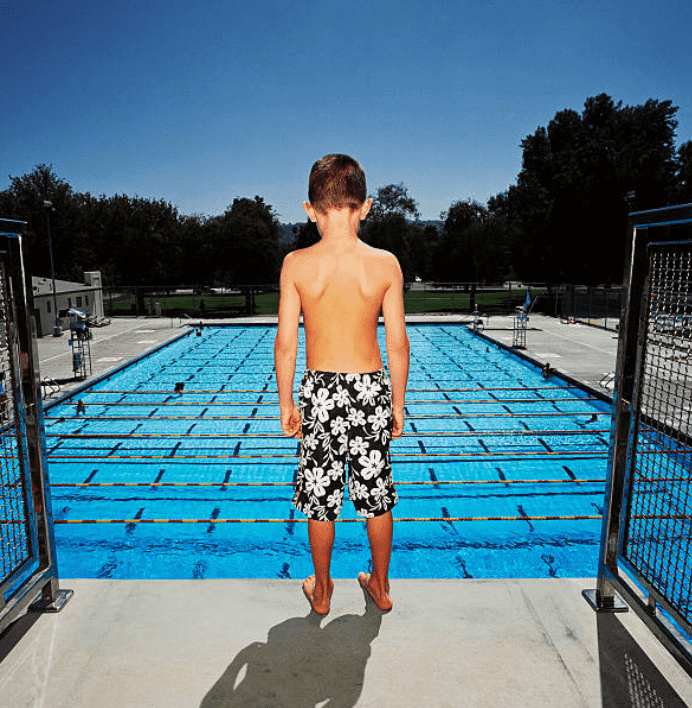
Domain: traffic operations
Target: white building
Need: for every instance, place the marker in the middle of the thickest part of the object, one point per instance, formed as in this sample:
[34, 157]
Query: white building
[87, 297]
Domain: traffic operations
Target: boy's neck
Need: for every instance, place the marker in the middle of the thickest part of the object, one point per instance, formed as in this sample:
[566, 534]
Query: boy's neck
[338, 225]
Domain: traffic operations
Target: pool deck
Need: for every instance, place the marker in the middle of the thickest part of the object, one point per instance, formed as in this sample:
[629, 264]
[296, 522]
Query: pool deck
[530, 642]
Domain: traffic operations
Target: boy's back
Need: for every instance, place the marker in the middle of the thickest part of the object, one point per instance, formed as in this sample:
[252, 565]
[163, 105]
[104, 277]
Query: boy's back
[342, 288]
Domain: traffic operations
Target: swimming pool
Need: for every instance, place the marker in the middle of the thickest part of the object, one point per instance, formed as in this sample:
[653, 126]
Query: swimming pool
[500, 473]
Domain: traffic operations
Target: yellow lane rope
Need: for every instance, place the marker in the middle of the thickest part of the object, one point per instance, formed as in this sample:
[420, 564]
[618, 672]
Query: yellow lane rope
[274, 391]
[445, 401]
[290, 484]
[303, 521]
[230, 455]
[276, 436]
[430, 416]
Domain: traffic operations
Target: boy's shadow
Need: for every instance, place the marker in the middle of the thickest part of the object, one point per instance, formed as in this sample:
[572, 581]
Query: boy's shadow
[301, 664]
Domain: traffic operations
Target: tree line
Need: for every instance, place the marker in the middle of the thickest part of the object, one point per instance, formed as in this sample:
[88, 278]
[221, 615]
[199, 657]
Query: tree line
[564, 220]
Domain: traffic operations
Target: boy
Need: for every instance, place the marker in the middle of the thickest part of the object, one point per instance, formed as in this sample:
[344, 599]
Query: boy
[348, 407]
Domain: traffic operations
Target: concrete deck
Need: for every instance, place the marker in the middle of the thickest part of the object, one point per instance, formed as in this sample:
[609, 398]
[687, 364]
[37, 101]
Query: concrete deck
[255, 643]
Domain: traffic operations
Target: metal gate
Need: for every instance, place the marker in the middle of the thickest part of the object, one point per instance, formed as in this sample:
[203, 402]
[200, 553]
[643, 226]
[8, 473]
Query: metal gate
[647, 529]
[28, 571]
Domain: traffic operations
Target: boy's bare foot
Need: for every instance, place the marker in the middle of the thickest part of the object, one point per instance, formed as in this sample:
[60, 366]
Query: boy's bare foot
[383, 601]
[321, 607]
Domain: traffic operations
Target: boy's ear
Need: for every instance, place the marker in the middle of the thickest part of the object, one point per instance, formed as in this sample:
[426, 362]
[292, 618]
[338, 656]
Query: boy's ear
[365, 208]
[310, 211]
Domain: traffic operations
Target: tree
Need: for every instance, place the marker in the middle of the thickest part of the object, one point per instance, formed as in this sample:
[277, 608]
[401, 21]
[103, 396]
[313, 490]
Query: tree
[569, 199]
[684, 173]
[394, 199]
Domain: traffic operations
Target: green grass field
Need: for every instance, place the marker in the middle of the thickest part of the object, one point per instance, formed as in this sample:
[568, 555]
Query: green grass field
[415, 302]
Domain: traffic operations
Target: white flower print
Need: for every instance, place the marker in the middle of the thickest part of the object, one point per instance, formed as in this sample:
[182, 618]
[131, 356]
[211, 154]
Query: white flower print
[367, 390]
[358, 446]
[309, 442]
[336, 470]
[372, 464]
[341, 397]
[322, 403]
[356, 417]
[335, 499]
[378, 419]
[316, 481]
[307, 388]
[380, 491]
[338, 426]
[358, 490]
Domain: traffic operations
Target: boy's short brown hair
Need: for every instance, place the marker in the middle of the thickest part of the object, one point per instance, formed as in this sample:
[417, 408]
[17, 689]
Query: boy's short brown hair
[337, 181]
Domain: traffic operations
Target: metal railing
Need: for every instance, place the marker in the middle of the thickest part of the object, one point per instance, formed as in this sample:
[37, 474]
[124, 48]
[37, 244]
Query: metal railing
[647, 528]
[419, 297]
[28, 569]
[599, 306]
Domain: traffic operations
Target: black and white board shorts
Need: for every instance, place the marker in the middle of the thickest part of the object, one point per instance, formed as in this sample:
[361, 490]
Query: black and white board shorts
[347, 422]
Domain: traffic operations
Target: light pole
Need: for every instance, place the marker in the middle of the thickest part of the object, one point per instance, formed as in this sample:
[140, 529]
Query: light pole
[57, 329]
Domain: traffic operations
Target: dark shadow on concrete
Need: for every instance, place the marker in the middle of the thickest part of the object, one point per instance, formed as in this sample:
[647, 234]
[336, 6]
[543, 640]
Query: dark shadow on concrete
[14, 633]
[301, 664]
[629, 678]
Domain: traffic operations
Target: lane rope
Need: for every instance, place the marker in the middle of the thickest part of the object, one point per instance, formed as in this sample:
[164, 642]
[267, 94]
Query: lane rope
[290, 484]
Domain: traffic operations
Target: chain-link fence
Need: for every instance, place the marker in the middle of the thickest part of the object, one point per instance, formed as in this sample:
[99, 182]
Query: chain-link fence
[28, 570]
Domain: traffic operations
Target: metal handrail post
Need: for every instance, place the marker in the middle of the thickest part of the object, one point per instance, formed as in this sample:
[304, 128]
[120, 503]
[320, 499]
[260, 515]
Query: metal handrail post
[51, 597]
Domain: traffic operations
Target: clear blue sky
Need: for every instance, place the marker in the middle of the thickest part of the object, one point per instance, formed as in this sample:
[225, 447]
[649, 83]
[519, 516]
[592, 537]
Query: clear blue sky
[200, 101]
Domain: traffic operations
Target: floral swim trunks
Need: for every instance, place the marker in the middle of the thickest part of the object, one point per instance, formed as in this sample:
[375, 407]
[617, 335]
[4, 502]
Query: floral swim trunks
[347, 420]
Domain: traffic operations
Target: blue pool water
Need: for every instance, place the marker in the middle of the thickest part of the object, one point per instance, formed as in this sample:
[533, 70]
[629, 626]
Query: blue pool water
[490, 448]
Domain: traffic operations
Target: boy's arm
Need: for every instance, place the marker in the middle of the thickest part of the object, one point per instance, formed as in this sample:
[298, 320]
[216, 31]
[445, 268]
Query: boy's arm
[397, 344]
[286, 347]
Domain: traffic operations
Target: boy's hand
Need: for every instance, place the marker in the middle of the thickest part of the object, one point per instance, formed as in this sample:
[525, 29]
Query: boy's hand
[291, 422]
[398, 425]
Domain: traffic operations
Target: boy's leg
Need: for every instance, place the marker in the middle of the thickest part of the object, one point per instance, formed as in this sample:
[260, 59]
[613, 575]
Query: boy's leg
[321, 536]
[380, 532]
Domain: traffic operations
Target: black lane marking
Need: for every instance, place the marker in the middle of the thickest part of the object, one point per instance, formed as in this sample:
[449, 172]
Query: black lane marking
[406, 410]
[521, 511]
[446, 396]
[413, 427]
[524, 424]
[422, 447]
[462, 566]
[598, 508]
[507, 409]
[175, 448]
[152, 413]
[433, 477]
[189, 430]
[446, 515]
[545, 444]
[114, 450]
[285, 571]
[259, 400]
[91, 476]
[299, 447]
[214, 515]
[213, 398]
[159, 475]
[456, 410]
[129, 528]
[254, 412]
[106, 570]
[55, 447]
[237, 448]
[199, 570]
[226, 479]
[501, 474]
[549, 560]
[570, 474]
[483, 445]
[469, 426]
[290, 525]
[201, 415]
[246, 428]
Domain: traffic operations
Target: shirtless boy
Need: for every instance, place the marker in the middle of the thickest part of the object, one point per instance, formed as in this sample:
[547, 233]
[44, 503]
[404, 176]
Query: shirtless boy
[348, 407]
